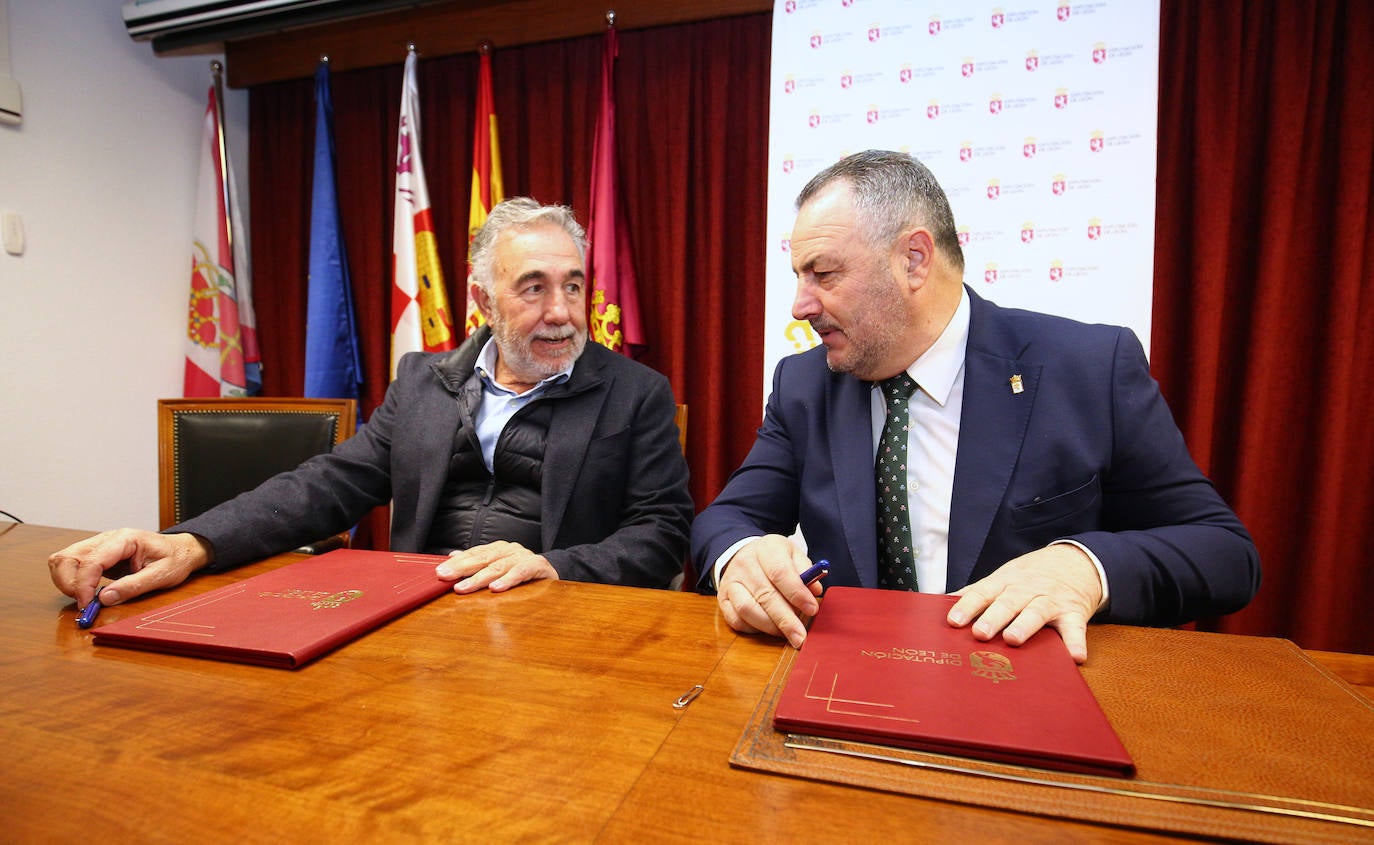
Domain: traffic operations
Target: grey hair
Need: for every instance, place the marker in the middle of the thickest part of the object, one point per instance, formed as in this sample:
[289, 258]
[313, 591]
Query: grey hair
[892, 192]
[519, 213]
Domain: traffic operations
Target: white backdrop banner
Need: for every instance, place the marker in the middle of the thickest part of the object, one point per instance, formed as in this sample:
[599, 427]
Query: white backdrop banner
[1038, 118]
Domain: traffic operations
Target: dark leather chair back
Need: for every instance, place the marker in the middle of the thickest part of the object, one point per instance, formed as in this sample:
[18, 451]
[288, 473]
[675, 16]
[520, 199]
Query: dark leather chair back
[210, 450]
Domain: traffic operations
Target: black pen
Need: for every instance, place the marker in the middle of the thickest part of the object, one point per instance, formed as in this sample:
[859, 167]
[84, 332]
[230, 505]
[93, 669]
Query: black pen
[816, 571]
[86, 618]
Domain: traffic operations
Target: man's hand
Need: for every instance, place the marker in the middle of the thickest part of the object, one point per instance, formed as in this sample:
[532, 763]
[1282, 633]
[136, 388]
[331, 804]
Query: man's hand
[1056, 586]
[496, 566]
[156, 561]
[761, 591]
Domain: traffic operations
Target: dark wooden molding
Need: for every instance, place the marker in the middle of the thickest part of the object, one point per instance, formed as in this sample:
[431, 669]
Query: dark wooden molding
[446, 28]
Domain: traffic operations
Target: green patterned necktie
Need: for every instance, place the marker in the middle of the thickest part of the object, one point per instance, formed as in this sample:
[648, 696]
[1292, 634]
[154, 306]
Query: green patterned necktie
[896, 562]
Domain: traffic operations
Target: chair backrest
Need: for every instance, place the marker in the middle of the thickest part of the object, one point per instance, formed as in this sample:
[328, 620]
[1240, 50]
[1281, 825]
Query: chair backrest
[681, 419]
[210, 450]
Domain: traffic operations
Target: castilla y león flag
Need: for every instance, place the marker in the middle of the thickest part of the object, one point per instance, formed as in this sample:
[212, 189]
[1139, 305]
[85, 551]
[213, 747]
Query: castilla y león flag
[419, 305]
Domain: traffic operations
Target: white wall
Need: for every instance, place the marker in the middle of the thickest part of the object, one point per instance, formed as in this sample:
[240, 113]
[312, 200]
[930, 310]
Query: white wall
[92, 315]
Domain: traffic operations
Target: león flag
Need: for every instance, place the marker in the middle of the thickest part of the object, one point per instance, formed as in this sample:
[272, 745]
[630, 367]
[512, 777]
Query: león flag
[614, 319]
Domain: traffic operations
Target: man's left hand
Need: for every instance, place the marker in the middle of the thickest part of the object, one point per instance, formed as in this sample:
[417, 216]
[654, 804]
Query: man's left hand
[1056, 586]
[495, 566]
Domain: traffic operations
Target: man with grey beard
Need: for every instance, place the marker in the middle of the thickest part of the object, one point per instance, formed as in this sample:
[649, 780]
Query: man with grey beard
[524, 454]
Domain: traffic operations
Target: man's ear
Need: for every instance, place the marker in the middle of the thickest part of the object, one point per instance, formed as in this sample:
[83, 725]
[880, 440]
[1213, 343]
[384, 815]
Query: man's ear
[478, 295]
[920, 254]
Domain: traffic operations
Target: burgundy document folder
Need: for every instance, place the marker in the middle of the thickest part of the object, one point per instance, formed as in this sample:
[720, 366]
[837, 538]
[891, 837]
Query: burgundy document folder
[884, 667]
[289, 616]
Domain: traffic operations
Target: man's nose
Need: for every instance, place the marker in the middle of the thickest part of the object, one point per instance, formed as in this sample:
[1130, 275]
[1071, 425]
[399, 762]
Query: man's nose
[805, 305]
[556, 307]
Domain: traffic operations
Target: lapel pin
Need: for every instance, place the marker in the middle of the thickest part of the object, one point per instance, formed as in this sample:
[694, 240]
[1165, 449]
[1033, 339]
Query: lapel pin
[1016, 386]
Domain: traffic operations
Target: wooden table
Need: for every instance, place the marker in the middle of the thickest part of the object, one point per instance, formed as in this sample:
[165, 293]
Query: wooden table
[542, 714]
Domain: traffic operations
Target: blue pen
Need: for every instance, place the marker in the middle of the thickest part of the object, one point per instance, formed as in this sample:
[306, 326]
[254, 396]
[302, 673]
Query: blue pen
[816, 571]
[86, 618]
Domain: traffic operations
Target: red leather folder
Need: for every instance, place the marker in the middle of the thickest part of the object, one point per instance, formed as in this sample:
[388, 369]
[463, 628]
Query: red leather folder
[289, 616]
[884, 667]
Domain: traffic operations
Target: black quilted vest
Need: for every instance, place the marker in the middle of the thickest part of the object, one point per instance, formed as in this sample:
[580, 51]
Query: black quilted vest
[478, 506]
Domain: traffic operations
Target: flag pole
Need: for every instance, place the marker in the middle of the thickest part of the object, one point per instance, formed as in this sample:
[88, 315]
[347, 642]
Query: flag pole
[216, 70]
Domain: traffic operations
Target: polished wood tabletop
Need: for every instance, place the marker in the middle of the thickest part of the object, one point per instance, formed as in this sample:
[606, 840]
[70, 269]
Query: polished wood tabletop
[542, 714]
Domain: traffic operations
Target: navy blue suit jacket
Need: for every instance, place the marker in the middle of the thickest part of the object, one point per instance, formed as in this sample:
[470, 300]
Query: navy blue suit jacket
[1088, 451]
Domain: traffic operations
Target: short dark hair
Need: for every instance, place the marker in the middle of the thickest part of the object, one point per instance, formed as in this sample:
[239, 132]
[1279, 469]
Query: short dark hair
[892, 192]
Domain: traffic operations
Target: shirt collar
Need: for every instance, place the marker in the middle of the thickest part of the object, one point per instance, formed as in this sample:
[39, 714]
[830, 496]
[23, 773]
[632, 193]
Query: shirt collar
[486, 370]
[938, 368]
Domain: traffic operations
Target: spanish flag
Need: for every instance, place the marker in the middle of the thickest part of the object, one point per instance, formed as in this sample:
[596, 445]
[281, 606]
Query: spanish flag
[614, 320]
[487, 189]
[419, 304]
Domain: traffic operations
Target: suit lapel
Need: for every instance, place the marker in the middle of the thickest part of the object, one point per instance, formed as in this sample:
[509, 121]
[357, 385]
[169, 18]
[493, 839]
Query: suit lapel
[992, 428]
[849, 414]
[571, 427]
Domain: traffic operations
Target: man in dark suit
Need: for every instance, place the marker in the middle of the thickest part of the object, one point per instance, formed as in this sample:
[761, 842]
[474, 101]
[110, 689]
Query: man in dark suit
[526, 452]
[1047, 483]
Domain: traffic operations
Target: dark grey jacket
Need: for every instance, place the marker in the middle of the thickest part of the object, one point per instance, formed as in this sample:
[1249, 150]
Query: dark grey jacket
[615, 505]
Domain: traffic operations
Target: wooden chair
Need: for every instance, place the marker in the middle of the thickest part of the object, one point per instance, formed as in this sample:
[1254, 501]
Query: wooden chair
[681, 419]
[210, 450]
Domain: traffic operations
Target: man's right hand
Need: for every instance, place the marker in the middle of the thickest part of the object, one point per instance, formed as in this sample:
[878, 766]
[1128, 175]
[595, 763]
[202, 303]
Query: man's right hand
[761, 591]
[156, 561]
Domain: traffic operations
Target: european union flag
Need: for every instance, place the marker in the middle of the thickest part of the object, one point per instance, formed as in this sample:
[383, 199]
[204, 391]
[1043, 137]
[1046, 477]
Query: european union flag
[333, 366]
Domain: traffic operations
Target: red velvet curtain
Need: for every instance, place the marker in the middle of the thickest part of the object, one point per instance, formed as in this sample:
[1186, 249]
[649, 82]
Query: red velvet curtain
[1266, 138]
[692, 109]
[1262, 248]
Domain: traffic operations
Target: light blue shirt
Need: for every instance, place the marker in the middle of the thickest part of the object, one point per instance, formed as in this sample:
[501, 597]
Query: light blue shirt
[500, 403]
